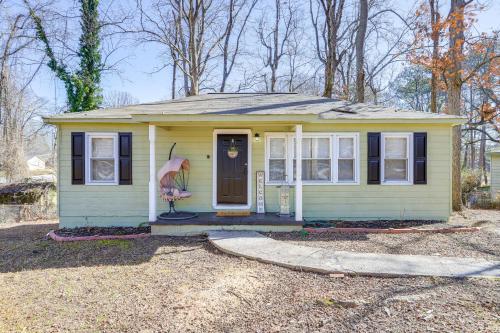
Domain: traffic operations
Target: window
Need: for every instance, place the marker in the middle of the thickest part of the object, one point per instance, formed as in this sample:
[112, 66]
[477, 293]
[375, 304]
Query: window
[277, 159]
[316, 159]
[346, 160]
[102, 160]
[327, 158]
[396, 154]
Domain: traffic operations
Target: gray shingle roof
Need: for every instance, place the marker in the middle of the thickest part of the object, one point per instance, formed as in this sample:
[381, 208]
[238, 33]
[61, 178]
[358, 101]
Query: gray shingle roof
[254, 104]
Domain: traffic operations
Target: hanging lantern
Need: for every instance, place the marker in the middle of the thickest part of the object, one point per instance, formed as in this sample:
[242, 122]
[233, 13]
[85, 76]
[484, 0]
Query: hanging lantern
[232, 151]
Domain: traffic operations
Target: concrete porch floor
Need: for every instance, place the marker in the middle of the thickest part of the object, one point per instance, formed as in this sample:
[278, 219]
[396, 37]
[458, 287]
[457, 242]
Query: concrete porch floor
[208, 221]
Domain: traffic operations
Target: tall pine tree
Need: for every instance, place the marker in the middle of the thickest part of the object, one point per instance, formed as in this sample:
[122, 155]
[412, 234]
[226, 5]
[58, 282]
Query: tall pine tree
[82, 85]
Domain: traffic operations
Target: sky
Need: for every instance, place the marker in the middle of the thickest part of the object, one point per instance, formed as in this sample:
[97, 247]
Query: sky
[135, 73]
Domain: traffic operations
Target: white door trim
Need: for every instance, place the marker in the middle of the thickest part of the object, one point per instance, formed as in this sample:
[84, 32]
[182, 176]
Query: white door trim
[215, 205]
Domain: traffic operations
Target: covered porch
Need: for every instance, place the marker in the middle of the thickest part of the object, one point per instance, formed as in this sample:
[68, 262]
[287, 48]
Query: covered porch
[205, 183]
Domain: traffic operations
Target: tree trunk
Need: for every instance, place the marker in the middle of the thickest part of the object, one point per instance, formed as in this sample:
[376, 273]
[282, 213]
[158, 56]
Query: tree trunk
[454, 87]
[329, 76]
[360, 50]
[472, 162]
[174, 75]
[435, 20]
[275, 55]
[454, 104]
[465, 162]
[482, 151]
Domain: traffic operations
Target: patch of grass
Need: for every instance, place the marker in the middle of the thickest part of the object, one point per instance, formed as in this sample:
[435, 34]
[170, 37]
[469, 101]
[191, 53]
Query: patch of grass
[122, 244]
[73, 245]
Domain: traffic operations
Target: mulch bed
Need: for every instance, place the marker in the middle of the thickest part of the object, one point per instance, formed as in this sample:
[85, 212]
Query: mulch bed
[98, 231]
[373, 224]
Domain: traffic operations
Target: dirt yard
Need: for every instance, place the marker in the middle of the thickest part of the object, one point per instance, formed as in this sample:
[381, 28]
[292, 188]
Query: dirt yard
[167, 284]
[481, 244]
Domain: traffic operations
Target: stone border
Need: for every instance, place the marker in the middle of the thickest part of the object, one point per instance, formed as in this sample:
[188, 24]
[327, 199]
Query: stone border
[390, 231]
[58, 238]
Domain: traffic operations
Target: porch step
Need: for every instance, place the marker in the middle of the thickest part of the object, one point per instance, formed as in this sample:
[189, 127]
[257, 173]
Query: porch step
[230, 213]
[197, 229]
[206, 222]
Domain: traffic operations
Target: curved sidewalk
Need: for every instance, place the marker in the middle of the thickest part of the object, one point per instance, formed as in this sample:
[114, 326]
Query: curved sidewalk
[252, 245]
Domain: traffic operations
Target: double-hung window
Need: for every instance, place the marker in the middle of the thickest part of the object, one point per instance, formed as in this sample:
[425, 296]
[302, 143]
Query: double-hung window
[316, 159]
[102, 158]
[277, 158]
[346, 153]
[396, 158]
[327, 158]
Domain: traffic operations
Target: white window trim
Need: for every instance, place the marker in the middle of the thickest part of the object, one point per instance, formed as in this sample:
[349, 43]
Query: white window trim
[409, 151]
[88, 148]
[267, 153]
[216, 205]
[333, 136]
[355, 137]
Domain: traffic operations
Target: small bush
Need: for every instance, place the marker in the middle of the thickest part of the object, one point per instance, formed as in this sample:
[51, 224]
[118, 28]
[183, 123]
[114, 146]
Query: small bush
[471, 181]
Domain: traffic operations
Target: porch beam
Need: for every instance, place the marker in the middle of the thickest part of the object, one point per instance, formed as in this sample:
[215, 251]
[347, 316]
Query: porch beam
[152, 173]
[298, 173]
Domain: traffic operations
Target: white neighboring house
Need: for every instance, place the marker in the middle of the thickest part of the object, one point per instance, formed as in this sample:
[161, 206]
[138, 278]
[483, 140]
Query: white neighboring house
[35, 163]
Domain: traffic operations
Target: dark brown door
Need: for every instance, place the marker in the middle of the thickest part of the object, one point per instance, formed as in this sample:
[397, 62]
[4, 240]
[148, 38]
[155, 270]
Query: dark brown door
[232, 172]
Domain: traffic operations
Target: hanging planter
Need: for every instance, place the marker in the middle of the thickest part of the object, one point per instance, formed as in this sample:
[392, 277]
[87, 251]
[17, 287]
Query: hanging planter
[232, 151]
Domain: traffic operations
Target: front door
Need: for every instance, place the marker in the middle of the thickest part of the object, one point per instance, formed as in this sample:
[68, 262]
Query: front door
[232, 181]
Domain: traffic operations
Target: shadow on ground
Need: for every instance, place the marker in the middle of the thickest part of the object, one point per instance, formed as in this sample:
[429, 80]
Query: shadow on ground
[26, 247]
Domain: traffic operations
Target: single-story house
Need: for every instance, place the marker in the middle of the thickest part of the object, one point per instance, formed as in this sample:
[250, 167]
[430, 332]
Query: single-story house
[358, 162]
[495, 172]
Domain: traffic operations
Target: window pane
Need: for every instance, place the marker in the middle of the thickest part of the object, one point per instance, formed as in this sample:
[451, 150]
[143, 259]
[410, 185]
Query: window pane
[314, 148]
[306, 148]
[277, 147]
[103, 170]
[346, 147]
[314, 170]
[346, 170]
[320, 148]
[395, 148]
[395, 170]
[102, 147]
[277, 170]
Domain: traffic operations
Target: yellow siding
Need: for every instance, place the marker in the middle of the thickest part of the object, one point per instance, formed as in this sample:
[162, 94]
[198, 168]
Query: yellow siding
[104, 205]
[495, 175]
[128, 204]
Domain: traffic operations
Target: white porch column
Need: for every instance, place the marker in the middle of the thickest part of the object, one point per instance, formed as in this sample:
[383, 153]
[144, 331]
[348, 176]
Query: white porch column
[298, 173]
[152, 173]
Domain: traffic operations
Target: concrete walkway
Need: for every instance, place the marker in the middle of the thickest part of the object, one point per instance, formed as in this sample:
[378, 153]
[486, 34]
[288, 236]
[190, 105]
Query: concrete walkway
[252, 245]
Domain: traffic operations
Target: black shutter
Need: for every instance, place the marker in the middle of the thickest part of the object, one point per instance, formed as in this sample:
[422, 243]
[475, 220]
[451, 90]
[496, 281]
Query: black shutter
[420, 158]
[373, 162]
[77, 158]
[125, 158]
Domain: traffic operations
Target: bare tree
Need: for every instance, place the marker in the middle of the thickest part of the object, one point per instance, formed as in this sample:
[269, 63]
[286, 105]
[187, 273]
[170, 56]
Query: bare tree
[360, 50]
[236, 24]
[18, 106]
[116, 99]
[327, 33]
[190, 29]
[435, 18]
[274, 39]
[454, 88]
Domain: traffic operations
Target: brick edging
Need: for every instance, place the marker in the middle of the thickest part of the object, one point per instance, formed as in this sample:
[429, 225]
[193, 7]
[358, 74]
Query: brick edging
[58, 238]
[390, 231]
